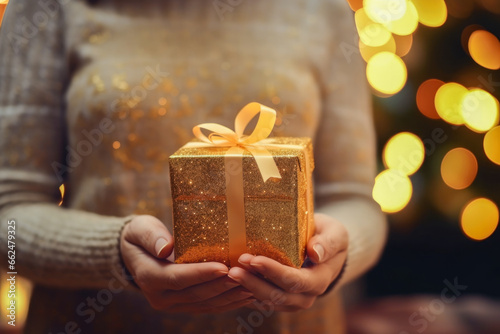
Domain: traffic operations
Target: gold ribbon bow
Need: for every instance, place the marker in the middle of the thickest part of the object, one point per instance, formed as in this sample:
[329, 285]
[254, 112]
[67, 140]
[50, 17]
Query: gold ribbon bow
[236, 140]
[237, 143]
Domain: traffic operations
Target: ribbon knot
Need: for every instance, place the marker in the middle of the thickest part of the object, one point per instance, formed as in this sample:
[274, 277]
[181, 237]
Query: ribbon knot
[237, 141]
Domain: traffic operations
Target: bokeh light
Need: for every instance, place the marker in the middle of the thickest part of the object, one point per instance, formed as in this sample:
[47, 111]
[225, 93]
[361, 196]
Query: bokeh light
[479, 219]
[432, 13]
[403, 44]
[383, 11]
[392, 190]
[448, 102]
[479, 110]
[491, 144]
[407, 24]
[61, 190]
[466, 33]
[404, 152]
[484, 48]
[3, 5]
[369, 51]
[370, 33]
[355, 4]
[22, 300]
[386, 72]
[459, 168]
[426, 94]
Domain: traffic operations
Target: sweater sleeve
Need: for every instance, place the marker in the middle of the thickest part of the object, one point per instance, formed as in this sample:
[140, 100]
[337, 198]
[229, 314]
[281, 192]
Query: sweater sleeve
[54, 246]
[346, 147]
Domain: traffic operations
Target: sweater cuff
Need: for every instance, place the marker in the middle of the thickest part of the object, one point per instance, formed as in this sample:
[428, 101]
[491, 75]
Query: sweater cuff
[66, 248]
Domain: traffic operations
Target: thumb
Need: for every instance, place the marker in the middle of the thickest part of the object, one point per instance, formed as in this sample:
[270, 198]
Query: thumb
[151, 234]
[330, 239]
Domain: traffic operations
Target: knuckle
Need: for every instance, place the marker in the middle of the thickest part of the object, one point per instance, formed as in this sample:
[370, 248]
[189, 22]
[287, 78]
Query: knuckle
[147, 237]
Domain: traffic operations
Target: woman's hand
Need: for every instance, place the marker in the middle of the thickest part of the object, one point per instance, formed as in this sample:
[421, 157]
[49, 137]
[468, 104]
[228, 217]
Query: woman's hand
[291, 289]
[145, 244]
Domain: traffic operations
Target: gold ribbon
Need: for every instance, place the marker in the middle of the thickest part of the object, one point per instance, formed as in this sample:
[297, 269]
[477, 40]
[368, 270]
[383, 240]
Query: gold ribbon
[237, 143]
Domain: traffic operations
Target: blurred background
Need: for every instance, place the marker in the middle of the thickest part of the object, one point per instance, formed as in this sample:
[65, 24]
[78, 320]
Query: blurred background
[433, 68]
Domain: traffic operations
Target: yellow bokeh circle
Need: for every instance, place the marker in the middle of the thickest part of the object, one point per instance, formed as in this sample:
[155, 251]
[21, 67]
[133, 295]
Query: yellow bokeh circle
[432, 13]
[370, 33]
[407, 24]
[459, 168]
[479, 110]
[386, 72]
[392, 190]
[491, 144]
[448, 102]
[484, 48]
[385, 11]
[404, 152]
[479, 219]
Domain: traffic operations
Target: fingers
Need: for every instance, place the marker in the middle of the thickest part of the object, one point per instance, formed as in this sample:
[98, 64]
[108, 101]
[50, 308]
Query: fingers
[312, 280]
[206, 297]
[204, 291]
[265, 291]
[170, 276]
[149, 233]
[330, 239]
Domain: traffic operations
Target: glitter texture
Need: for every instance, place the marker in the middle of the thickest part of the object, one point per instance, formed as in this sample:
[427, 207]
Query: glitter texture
[277, 217]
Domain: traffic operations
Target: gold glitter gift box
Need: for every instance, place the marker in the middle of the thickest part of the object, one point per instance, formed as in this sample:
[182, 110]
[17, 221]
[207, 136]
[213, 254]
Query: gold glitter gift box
[276, 217]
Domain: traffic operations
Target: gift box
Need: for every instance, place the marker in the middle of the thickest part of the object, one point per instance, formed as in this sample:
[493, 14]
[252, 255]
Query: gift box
[235, 194]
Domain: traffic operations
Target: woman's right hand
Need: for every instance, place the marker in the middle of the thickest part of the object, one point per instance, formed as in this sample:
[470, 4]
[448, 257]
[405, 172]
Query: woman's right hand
[145, 243]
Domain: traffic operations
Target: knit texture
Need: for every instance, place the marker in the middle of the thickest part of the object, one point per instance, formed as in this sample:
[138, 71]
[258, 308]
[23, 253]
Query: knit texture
[99, 96]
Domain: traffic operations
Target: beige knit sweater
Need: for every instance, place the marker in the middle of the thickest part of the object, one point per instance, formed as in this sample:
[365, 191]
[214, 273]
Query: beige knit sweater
[99, 96]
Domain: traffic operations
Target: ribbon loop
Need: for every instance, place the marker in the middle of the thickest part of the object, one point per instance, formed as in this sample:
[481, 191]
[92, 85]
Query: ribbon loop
[265, 123]
[224, 137]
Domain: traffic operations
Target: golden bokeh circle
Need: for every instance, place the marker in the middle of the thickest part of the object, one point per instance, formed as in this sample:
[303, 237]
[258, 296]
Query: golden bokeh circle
[404, 152]
[448, 102]
[479, 219]
[459, 168]
[479, 110]
[386, 72]
[491, 144]
[392, 190]
[484, 48]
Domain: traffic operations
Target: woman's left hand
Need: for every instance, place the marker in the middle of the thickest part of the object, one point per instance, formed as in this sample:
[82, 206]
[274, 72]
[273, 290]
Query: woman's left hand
[291, 289]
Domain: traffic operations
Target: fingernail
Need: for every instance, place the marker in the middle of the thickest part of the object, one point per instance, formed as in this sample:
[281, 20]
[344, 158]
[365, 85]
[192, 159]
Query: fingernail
[243, 262]
[320, 251]
[160, 246]
[232, 277]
